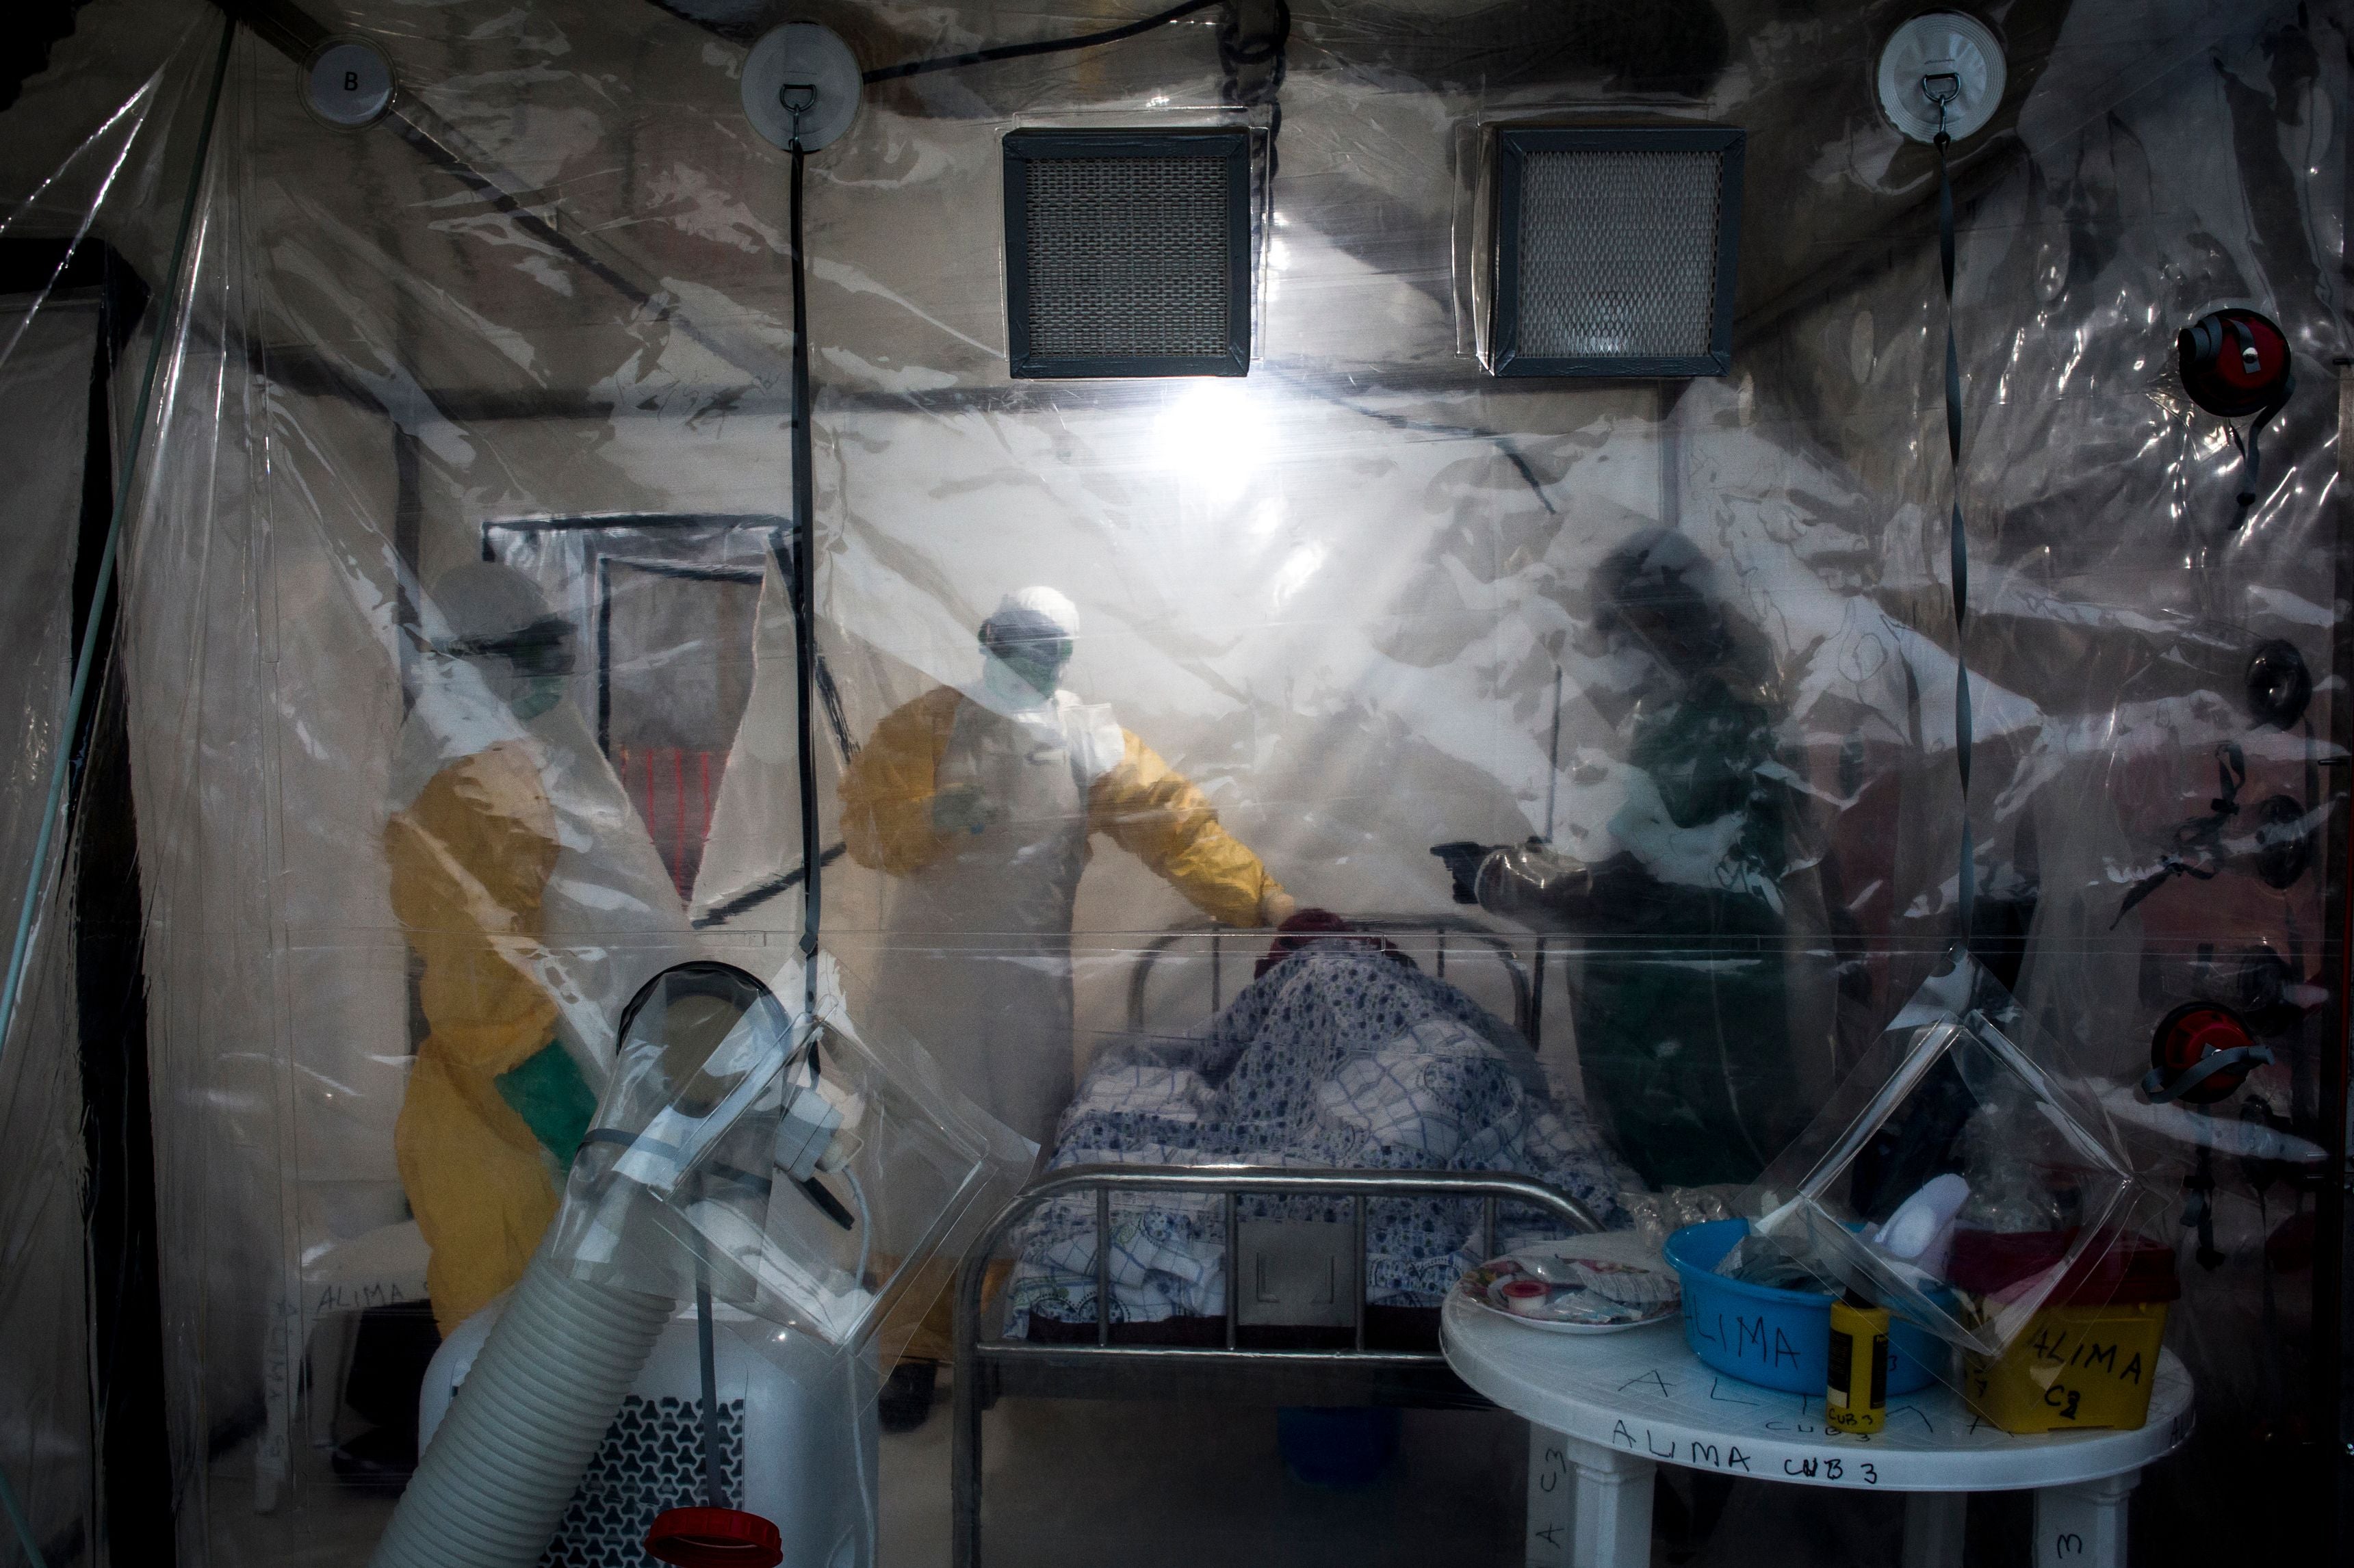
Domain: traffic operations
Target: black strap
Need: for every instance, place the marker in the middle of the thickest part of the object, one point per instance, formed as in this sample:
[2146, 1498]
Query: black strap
[1236, 51]
[1040, 46]
[805, 598]
[714, 1465]
[760, 892]
[2251, 460]
[1958, 540]
[2199, 852]
[2198, 1208]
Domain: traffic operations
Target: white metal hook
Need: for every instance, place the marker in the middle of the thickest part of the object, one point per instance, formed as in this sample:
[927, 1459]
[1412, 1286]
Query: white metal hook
[797, 99]
[1941, 88]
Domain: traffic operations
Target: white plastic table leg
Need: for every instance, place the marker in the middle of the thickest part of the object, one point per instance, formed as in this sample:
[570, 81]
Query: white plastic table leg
[1610, 1506]
[1552, 1479]
[1932, 1529]
[2084, 1526]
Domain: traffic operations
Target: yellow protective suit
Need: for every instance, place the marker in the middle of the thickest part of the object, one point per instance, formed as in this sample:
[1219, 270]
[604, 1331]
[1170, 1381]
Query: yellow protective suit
[538, 905]
[981, 915]
[470, 859]
[1142, 804]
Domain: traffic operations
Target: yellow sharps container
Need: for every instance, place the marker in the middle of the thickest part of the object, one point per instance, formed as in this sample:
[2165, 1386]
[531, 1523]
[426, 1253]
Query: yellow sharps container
[2088, 1358]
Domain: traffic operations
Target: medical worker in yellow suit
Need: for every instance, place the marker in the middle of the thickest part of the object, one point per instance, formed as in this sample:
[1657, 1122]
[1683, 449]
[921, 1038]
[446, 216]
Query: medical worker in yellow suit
[983, 802]
[527, 886]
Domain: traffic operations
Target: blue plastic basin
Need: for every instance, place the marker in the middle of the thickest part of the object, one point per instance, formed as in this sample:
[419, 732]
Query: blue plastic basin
[1780, 1338]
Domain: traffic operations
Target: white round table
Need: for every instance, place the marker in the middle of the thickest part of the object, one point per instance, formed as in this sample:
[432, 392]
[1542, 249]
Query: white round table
[1605, 1410]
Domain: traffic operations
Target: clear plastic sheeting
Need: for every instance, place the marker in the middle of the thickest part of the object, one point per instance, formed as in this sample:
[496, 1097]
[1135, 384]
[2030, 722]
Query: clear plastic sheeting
[45, 383]
[86, 256]
[1962, 1133]
[453, 690]
[777, 1161]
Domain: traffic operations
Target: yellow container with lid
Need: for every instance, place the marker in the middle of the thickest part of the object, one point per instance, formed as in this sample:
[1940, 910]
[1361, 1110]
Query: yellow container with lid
[1856, 1399]
[2088, 1359]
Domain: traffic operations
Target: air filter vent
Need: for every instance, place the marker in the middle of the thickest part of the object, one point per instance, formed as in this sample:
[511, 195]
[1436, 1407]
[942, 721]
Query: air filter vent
[1128, 252]
[1615, 248]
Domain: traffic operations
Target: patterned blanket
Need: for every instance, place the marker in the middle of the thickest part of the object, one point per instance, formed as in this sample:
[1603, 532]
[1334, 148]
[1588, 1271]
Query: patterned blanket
[1339, 1056]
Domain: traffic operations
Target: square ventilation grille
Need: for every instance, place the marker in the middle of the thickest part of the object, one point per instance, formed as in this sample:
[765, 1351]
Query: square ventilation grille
[1128, 252]
[1615, 250]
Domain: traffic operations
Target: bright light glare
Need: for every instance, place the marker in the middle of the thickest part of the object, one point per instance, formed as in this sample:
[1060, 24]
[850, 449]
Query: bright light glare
[1214, 435]
[1298, 569]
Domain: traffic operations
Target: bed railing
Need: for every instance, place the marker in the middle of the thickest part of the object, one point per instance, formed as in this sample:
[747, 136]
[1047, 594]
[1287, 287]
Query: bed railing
[977, 1357]
[1527, 978]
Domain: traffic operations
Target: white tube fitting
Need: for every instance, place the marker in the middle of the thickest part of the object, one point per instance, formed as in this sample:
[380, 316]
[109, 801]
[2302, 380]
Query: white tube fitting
[493, 1484]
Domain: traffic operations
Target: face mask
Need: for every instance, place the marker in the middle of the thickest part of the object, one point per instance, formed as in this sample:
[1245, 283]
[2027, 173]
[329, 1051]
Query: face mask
[1043, 669]
[1020, 683]
[1032, 648]
[537, 696]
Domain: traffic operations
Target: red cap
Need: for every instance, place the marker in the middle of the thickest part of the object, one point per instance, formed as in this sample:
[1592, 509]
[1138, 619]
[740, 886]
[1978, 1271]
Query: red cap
[2272, 354]
[2188, 1036]
[714, 1538]
[2208, 1030]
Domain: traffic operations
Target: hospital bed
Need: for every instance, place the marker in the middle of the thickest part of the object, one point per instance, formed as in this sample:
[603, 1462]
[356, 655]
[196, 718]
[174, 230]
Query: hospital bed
[1225, 953]
[1303, 1333]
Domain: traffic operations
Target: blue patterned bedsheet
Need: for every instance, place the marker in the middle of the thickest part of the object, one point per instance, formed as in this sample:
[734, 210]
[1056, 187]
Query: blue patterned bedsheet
[1341, 1056]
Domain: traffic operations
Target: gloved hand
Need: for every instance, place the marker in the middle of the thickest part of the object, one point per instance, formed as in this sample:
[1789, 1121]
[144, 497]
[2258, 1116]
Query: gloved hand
[1275, 906]
[962, 808]
[553, 1098]
[1463, 858]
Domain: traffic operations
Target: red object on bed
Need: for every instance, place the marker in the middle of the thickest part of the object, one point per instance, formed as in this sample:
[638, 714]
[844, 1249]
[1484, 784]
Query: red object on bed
[1315, 925]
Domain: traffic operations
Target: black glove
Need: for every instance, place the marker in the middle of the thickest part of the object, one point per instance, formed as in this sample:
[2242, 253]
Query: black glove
[1463, 858]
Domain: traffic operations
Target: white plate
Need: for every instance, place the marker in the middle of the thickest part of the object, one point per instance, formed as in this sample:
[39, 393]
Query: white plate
[1612, 1247]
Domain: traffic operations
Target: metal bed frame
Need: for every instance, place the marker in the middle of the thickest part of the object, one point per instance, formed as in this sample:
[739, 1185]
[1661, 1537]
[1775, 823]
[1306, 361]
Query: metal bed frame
[1528, 984]
[989, 1367]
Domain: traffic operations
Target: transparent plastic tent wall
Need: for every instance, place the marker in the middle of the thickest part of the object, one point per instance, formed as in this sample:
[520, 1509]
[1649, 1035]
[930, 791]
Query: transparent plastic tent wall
[1360, 598]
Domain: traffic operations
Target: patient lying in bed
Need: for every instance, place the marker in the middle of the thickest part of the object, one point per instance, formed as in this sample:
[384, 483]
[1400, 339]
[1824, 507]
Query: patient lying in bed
[1339, 1056]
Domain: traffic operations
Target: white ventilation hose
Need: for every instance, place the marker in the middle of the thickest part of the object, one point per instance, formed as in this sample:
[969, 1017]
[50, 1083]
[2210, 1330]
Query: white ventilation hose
[493, 1484]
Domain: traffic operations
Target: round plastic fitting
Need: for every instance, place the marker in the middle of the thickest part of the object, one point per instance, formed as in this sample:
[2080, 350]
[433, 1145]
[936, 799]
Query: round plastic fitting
[2198, 1054]
[1941, 54]
[714, 1538]
[2279, 684]
[801, 84]
[2235, 362]
[348, 83]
